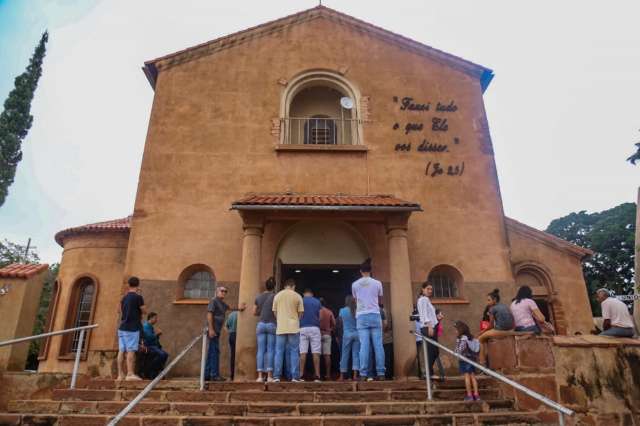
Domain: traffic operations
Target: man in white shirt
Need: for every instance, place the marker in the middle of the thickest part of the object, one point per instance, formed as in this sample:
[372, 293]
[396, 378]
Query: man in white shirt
[617, 319]
[428, 323]
[368, 294]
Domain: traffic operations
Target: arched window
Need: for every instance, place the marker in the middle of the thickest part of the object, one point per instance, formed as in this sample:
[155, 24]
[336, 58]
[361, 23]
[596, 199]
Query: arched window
[196, 282]
[320, 109]
[446, 281]
[80, 313]
[48, 327]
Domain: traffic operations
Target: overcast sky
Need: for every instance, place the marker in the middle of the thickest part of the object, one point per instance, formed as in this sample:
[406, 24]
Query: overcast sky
[564, 107]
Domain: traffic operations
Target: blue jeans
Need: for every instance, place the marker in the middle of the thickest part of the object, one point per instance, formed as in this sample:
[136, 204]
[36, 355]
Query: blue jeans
[291, 344]
[533, 328]
[350, 345]
[614, 331]
[370, 332]
[159, 359]
[212, 367]
[266, 336]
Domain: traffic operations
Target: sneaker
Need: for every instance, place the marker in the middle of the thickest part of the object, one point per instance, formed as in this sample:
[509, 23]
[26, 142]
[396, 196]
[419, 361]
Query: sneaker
[276, 380]
[369, 379]
[468, 398]
[119, 378]
[259, 380]
[271, 380]
[297, 380]
[317, 380]
[476, 397]
[132, 377]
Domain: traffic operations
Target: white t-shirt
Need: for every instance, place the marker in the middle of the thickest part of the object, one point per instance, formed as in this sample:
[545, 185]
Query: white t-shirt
[616, 311]
[366, 291]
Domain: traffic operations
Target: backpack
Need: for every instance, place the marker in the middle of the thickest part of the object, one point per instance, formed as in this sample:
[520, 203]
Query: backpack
[473, 349]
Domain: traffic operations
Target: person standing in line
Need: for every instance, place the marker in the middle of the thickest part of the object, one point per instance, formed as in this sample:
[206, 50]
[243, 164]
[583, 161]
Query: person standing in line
[468, 347]
[150, 337]
[500, 323]
[216, 312]
[288, 308]
[428, 324]
[327, 327]
[310, 333]
[617, 321]
[265, 331]
[350, 344]
[387, 341]
[131, 308]
[439, 331]
[368, 294]
[526, 314]
[232, 327]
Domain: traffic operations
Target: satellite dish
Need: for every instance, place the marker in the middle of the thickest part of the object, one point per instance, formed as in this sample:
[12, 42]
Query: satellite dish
[346, 102]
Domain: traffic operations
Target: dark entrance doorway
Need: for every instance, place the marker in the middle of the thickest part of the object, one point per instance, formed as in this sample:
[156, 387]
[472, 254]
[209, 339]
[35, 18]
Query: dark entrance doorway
[332, 282]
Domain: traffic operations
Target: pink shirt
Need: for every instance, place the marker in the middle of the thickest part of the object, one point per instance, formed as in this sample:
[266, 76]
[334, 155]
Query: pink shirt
[523, 312]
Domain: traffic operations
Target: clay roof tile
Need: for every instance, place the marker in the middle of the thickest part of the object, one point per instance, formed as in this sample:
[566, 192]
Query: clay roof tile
[20, 270]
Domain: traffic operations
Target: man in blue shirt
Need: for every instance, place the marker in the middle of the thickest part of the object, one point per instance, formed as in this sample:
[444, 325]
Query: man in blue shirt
[152, 343]
[310, 333]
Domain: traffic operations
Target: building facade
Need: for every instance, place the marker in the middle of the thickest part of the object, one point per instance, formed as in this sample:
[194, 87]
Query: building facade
[298, 148]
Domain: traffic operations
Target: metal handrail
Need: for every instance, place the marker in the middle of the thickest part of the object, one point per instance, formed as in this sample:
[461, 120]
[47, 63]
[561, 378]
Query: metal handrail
[155, 381]
[76, 363]
[562, 410]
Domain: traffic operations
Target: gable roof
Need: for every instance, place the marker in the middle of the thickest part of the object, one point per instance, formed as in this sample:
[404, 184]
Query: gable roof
[151, 68]
[116, 225]
[547, 239]
[21, 270]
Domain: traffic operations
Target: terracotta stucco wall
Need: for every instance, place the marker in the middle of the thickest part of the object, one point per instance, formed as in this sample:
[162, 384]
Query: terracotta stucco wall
[18, 309]
[565, 272]
[101, 257]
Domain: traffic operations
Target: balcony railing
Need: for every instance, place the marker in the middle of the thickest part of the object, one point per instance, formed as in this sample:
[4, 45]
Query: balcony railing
[320, 131]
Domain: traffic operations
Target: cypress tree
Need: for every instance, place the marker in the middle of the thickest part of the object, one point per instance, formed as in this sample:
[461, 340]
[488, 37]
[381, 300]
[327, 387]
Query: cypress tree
[16, 120]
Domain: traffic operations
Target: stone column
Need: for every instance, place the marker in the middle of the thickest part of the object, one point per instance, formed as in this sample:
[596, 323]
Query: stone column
[636, 303]
[404, 343]
[245, 368]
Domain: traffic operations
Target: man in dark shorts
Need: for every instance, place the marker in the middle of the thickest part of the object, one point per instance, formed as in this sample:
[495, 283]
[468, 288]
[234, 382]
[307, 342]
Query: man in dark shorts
[131, 309]
[216, 312]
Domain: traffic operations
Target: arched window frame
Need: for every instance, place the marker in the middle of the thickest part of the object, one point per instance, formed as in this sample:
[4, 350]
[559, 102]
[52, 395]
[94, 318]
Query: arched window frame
[186, 274]
[453, 274]
[50, 321]
[66, 348]
[325, 78]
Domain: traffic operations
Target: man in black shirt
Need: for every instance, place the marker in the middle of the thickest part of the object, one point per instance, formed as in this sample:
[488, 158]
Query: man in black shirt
[131, 309]
[215, 319]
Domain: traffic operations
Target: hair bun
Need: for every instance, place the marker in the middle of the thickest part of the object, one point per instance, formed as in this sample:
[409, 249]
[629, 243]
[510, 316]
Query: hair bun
[496, 291]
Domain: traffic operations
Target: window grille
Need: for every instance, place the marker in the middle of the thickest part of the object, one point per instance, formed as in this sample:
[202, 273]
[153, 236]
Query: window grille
[199, 286]
[444, 285]
[83, 314]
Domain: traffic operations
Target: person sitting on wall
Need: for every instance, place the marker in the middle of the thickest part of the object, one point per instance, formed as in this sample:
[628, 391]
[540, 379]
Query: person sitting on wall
[617, 321]
[310, 333]
[500, 323]
[216, 312]
[288, 308]
[150, 338]
[327, 327]
[526, 314]
[131, 309]
[368, 294]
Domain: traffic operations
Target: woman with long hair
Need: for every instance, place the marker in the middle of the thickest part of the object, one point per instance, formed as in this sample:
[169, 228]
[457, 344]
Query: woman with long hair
[350, 340]
[526, 313]
[265, 331]
[500, 322]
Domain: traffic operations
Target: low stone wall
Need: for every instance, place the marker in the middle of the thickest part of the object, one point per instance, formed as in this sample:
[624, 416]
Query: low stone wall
[24, 385]
[597, 377]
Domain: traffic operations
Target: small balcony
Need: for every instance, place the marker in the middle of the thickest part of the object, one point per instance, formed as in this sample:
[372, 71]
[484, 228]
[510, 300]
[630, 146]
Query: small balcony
[320, 131]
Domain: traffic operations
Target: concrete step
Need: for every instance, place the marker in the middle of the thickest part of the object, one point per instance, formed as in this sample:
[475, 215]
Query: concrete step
[266, 396]
[257, 408]
[506, 418]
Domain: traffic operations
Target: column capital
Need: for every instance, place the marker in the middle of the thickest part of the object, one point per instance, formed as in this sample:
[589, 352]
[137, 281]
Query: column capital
[397, 224]
[252, 223]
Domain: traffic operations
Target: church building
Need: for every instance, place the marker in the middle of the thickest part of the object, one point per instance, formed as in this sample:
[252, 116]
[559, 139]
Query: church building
[298, 148]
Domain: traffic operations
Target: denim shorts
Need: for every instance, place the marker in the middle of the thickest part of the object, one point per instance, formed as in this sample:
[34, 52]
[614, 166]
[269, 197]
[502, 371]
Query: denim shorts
[128, 341]
[465, 367]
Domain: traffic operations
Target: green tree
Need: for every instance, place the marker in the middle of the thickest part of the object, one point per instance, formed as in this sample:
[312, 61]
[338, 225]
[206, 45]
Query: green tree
[15, 253]
[635, 156]
[16, 119]
[41, 318]
[610, 234]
